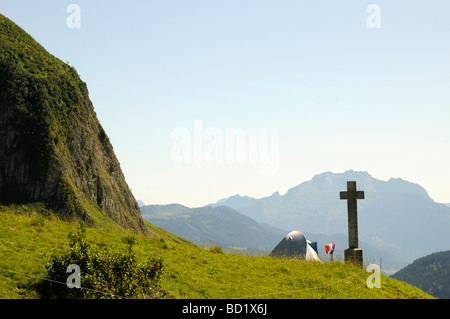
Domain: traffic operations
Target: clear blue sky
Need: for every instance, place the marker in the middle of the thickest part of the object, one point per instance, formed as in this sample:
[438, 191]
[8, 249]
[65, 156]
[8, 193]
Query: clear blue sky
[342, 95]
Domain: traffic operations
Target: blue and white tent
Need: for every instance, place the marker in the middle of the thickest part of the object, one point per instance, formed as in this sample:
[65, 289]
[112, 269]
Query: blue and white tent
[295, 245]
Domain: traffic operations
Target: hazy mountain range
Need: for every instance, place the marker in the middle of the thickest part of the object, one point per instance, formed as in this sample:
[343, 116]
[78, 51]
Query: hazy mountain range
[396, 215]
[397, 220]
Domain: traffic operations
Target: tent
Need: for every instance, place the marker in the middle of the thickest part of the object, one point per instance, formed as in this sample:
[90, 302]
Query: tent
[295, 245]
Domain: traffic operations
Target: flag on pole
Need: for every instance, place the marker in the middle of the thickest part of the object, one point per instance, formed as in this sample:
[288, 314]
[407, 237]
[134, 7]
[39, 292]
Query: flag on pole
[329, 248]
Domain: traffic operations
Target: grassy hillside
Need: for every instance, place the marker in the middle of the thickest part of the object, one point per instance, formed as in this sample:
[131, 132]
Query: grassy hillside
[220, 224]
[30, 234]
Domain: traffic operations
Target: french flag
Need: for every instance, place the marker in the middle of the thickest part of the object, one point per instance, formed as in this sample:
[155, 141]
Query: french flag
[329, 248]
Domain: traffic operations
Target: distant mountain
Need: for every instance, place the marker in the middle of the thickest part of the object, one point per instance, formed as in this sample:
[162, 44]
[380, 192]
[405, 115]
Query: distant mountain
[217, 225]
[430, 273]
[396, 215]
[237, 201]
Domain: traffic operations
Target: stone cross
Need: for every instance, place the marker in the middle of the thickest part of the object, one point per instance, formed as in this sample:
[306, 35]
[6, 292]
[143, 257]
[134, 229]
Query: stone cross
[353, 253]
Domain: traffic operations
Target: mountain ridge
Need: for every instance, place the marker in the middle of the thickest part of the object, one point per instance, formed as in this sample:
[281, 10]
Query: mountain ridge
[314, 206]
[430, 273]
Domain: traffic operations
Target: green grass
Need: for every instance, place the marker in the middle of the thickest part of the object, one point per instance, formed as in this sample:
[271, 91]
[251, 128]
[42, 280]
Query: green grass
[30, 234]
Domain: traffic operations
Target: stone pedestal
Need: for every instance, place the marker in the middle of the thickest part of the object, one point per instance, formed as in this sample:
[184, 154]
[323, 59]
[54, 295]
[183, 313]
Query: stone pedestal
[354, 256]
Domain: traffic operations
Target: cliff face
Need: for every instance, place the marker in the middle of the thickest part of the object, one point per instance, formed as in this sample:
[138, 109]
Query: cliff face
[52, 146]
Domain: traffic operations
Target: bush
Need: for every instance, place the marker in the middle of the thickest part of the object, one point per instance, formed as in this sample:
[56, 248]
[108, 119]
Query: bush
[104, 273]
[216, 249]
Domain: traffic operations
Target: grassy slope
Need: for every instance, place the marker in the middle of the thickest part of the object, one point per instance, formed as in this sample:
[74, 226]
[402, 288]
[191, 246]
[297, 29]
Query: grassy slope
[30, 234]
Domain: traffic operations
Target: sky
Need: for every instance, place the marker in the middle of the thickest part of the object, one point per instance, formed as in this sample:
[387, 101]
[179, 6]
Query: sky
[317, 86]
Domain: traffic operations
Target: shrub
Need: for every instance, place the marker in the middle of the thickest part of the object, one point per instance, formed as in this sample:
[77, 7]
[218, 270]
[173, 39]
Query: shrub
[216, 249]
[104, 273]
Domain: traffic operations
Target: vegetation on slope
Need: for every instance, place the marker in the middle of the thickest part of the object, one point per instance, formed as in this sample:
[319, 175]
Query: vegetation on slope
[52, 146]
[106, 273]
[208, 224]
[31, 234]
[430, 273]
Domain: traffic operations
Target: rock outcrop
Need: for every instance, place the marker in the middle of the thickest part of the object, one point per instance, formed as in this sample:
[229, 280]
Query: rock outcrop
[52, 146]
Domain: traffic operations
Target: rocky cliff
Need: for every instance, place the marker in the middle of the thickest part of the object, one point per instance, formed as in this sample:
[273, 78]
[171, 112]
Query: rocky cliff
[52, 146]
